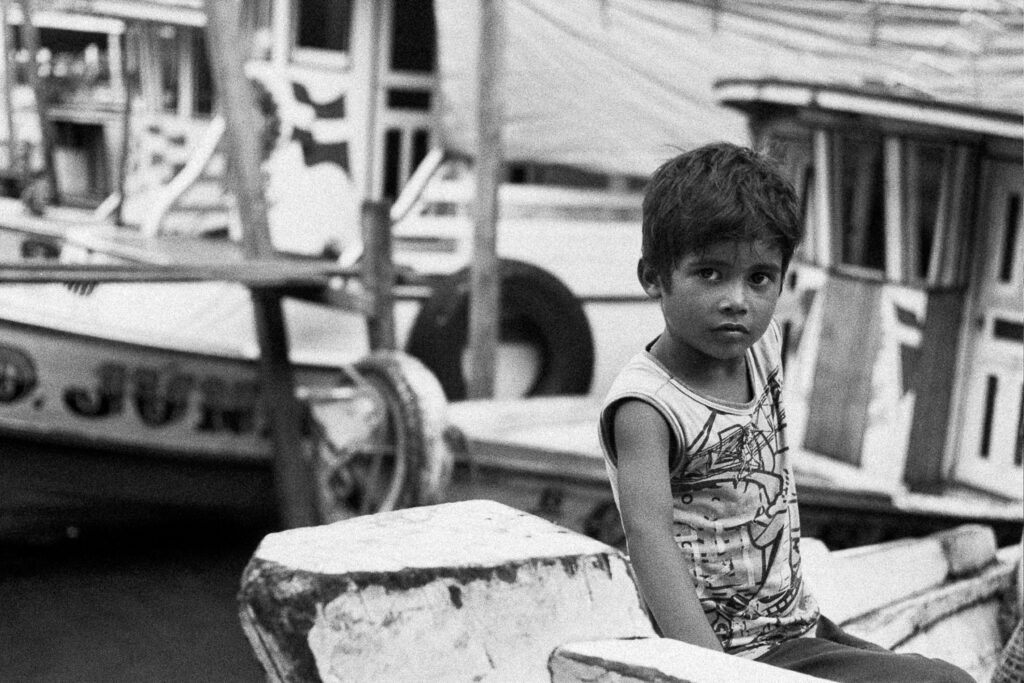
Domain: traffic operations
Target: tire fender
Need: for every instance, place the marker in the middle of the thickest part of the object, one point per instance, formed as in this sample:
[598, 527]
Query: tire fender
[412, 418]
[424, 411]
[533, 302]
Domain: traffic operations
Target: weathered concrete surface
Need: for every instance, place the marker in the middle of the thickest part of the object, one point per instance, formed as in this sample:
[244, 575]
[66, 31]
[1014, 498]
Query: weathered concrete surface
[940, 596]
[850, 583]
[658, 660]
[471, 591]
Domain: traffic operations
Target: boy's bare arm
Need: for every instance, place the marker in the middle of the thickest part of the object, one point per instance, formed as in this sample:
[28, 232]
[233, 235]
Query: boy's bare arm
[645, 500]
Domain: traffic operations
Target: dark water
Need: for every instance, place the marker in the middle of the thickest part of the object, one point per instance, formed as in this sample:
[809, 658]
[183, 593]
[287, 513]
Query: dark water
[154, 603]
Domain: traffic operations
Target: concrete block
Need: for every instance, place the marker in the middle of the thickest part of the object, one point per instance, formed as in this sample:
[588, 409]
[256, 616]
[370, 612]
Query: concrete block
[659, 660]
[969, 548]
[470, 591]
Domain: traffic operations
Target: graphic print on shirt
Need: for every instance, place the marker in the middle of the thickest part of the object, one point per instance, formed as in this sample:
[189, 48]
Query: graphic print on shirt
[735, 480]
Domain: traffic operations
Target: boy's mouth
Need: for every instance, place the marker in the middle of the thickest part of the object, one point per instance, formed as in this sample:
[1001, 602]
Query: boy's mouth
[732, 327]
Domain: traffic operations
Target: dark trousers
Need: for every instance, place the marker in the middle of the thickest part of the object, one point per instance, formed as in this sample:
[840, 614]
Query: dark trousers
[835, 655]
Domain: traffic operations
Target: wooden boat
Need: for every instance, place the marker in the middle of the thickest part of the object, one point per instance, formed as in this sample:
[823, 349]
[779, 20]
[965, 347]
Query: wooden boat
[373, 614]
[352, 114]
[906, 436]
[138, 395]
[129, 400]
[902, 314]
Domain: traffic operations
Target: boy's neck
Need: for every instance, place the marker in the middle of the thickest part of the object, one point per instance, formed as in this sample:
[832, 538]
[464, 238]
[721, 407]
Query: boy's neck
[722, 379]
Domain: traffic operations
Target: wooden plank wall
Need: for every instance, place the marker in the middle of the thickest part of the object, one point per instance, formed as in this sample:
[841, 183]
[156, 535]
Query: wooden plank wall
[933, 386]
[837, 413]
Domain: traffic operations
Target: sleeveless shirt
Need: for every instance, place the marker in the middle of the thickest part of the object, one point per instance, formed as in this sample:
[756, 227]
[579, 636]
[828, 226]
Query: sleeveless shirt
[735, 516]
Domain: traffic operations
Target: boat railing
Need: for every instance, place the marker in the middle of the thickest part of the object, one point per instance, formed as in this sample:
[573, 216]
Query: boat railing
[205, 148]
[256, 273]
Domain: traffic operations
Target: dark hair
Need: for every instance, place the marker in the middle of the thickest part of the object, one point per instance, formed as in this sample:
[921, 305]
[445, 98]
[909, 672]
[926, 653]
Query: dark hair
[716, 193]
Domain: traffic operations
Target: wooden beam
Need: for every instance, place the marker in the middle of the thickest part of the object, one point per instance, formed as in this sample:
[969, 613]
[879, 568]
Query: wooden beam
[123, 158]
[7, 86]
[253, 272]
[31, 36]
[895, 197]
[485, 294]
[825, 231]
[292, 476]
[379, 273]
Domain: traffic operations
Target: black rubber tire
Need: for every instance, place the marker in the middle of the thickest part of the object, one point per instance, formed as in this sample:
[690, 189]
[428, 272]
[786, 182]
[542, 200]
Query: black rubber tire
[419, 467]
[534, 305]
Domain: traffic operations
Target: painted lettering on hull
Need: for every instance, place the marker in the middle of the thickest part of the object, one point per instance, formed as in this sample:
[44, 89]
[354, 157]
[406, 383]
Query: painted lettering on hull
[17, 374]
[162, 397]
[157, 396]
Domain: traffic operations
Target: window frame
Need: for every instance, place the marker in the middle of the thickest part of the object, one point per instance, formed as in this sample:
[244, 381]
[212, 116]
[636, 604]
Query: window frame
[320, 56]
[836, 145]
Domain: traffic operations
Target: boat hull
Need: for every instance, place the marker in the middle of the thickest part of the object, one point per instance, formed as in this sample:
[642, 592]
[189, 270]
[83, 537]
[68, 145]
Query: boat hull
[52, 487]
[102, 431]
[64, 387]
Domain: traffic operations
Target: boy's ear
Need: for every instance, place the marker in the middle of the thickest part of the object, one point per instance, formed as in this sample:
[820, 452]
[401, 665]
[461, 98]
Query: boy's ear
[649, 280]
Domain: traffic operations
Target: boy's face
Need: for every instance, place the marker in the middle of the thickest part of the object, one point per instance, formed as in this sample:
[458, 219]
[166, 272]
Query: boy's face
[719, 301]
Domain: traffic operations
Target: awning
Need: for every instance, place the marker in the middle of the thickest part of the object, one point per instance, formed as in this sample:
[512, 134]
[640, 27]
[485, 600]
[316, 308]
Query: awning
[620, 85]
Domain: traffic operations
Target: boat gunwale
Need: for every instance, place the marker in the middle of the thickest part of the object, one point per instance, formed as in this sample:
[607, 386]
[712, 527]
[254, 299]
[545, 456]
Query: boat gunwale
[745, 93]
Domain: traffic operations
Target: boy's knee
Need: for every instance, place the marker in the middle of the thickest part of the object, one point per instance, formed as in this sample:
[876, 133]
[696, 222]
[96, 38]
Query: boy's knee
[928, 670]
[947, 673]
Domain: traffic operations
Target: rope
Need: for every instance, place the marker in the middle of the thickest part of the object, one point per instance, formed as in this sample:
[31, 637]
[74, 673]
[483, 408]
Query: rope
[1010, 668]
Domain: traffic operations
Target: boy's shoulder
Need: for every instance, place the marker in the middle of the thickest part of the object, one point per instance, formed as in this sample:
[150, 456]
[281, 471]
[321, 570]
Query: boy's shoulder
[639, 376]
[769, 346]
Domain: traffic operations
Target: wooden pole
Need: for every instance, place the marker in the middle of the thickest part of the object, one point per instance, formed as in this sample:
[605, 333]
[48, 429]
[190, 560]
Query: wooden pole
[379, 273]
[485, 294]
[293, 479]
[8, 85]
[42, 100]
[126, 128]
[239, 107]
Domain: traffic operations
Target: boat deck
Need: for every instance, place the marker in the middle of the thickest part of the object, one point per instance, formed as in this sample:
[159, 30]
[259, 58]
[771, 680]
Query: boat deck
[543, 454]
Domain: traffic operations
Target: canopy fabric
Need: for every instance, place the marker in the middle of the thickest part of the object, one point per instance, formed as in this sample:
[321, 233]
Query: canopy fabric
[619, 85]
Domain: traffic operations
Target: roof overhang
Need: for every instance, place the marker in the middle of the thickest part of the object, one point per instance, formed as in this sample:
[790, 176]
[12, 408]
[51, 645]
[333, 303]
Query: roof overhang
[175, 12]
[748, 94]
[66, 20]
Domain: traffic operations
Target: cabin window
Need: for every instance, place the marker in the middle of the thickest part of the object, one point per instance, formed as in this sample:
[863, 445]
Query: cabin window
[324, 25]
[860, 201]
[71, 58]
[412, 36]
[794, 154]
[203, 85]
[1010, 230]
[925, 170]
[167, 51]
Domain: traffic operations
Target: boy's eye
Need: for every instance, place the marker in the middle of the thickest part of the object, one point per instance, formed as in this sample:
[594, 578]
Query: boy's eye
[708, 274]
[761, 279]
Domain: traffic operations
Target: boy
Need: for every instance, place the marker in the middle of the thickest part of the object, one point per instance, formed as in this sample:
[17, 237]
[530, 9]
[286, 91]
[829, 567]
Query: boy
[693, 429]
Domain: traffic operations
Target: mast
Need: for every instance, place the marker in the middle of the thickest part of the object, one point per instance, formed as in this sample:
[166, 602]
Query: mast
[292, 477]
[484, 278]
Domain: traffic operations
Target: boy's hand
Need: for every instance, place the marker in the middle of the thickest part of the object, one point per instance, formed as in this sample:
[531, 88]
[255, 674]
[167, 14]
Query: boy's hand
[642, 445]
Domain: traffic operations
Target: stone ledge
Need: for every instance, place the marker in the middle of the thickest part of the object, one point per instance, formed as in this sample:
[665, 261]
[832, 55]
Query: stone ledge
[461, 591]
[658, 660]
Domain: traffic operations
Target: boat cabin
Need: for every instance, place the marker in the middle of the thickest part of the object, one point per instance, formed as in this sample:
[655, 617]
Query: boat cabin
[904, 327]
[346, 88]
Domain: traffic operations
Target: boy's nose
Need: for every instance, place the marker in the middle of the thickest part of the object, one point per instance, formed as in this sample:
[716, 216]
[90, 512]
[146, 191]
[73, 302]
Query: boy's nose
[734, 298]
